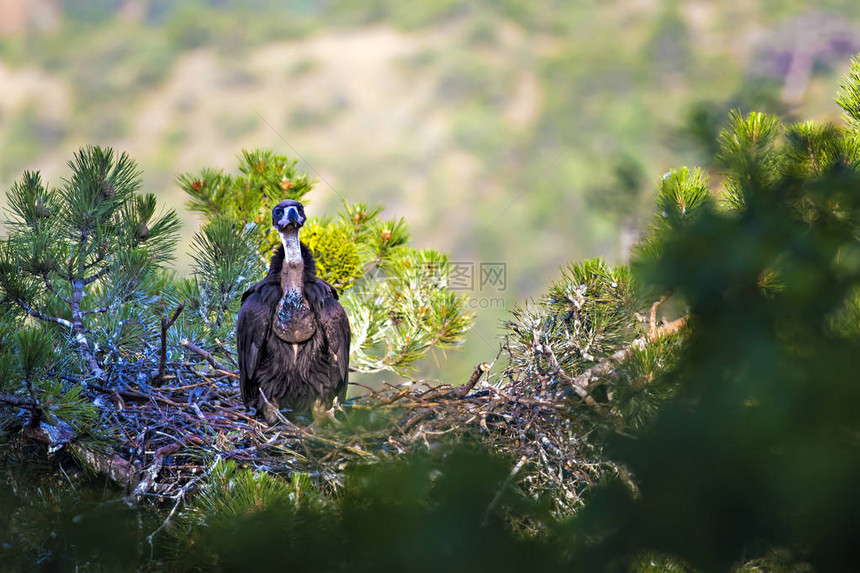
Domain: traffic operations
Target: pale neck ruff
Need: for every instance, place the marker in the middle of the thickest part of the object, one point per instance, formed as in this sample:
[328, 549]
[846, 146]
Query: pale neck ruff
[292, 246]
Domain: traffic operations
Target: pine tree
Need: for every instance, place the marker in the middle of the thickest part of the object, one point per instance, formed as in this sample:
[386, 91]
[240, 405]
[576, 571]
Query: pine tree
[82, 257]
[593, 338]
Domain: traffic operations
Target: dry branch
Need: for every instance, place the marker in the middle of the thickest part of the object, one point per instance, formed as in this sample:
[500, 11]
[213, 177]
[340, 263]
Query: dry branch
[185, 343]
[607, 366]
[15, 400]
[165, 326]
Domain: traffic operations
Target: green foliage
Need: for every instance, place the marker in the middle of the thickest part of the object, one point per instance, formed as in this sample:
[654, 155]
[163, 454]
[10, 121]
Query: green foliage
[59, 521]
[455, 506]
[34, 349]
[233, 492]
[247, 198]
[736, 432]
[845, 321]
[404, 310]
[642, 383]
[335, 251]
[813, 149]
[705, 120]
[32, 361]
[682, 195]
[62, 401]
[225, 264]
[848, 97]
[77, 281]
[656, 563]
[591, 304]
[747, 149]
[587, 313]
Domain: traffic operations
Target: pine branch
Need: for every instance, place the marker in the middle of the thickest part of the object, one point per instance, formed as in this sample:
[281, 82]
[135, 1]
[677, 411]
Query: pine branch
[15, 400]
[36, 416]
[226, 352]
[607, 366]
[652, 316]
[43, 316]
[557, 370]
[93, 278]
[480, 369]
[118, 470]
[70, 268]
[94, 311]
[98, 258]
[50, 286]
[78, 330]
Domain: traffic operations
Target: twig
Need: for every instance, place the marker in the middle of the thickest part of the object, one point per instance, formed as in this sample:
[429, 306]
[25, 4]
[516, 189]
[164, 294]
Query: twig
[100, 310]
[414, 418]
[179, 497]
[652, 316]
[36, 415]
[165, 325]
[15, 400]
[227, 373]
[93, 278]
[366, 387]
[226, 352]
[480, 369]
[99, 256]
[185, 343]
[50, 286]
[580, 390]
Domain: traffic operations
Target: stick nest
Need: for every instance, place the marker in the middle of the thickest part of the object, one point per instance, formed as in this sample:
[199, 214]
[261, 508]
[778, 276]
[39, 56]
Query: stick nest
[166, 437]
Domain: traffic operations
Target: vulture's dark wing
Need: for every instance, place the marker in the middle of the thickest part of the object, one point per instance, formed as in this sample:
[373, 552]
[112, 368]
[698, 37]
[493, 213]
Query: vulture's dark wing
[335, 324]
[251, 330]
[269, 280]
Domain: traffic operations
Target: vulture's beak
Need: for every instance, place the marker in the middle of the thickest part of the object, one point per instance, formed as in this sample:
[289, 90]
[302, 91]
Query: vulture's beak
[291, 217]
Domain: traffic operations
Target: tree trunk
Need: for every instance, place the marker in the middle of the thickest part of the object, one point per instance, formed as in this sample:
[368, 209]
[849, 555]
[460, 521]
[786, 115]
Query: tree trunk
[78, 330]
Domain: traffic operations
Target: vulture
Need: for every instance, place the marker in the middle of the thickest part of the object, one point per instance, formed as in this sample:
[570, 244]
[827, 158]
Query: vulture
[292, 335]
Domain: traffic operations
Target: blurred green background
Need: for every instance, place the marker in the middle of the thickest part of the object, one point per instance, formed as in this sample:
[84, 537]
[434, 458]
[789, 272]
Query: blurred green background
[526, 133]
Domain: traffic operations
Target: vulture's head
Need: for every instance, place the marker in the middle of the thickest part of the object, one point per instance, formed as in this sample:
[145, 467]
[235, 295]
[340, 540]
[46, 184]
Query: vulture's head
[288, 214]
